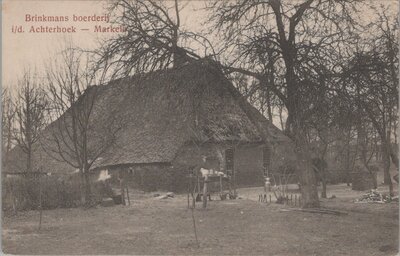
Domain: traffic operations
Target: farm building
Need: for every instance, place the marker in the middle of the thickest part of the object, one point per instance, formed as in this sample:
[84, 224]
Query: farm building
[169, 120]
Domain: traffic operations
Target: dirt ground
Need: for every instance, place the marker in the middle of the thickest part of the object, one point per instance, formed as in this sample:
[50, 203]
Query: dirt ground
[244, 226]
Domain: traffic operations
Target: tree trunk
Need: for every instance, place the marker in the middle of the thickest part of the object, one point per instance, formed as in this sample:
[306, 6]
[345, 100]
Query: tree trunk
[281, 118]
[87, 186]
[269, 108]
[386, 169]
[394, 157]
[82, 187]
[29, 160]
[9, 135]
[205, 192]
[308, 185]
[295, 130]
[294, 122]
[309, 192]
[323, 193]
[348, 156]
[323, 178]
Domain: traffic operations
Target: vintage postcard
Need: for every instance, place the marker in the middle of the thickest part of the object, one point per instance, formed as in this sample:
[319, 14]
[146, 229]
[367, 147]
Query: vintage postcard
[200, 127]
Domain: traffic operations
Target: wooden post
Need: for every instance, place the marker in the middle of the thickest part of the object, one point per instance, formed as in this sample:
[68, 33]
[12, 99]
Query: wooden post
[122, 191]
[194, 228]
[295, 200]
[127, 194]
[193, 200]
[205, 192]
[230, 185]
[40, 202]
[188, 199]
[193, 192]
[198, 184]
[265, 182]
[270, 198]
[14, 197]
[234, 183]
[188, 190]
[220, 184]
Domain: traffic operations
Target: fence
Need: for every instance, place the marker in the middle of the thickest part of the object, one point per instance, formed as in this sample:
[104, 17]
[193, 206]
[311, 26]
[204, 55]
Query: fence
[291, 200]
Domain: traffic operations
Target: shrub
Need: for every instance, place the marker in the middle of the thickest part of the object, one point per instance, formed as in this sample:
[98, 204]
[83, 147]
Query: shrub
[23, 192]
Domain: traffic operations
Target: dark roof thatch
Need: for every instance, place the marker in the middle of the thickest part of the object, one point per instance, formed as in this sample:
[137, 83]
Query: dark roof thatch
[163, 110]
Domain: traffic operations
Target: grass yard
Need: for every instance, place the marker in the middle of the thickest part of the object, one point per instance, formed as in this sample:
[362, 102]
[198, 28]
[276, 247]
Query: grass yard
[233, 227]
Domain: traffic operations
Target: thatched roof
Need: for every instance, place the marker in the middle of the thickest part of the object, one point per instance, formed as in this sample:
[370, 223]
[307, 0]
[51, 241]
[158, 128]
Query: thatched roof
[163, 110]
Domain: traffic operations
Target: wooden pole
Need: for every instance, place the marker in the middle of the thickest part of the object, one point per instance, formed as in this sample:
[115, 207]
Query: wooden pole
[230, 185]
[193, 186]
[40, 202]
[14, 197]
[265, 182]
[188, 190]
[194, 228]
[121, 185]
[198, 184]
[127, 194]
[205, 191]
[220, 184]
[234, 183]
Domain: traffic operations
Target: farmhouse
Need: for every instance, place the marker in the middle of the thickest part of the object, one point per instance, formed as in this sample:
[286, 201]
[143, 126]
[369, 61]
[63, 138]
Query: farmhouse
[171, 119]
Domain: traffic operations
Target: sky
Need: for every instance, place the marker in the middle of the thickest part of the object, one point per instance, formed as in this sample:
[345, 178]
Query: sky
[32, 49]
[20, 50]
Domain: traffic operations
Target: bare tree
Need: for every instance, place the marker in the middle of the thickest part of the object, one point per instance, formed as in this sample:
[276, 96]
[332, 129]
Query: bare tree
[30, 114]
[83, 129]
[388, 45]
[365, 143]
[297, 37]
[8, 117]
[376, 97]
[154, 38]
[370, 79]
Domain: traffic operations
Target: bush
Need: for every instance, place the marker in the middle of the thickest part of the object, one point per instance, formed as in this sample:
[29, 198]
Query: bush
[23, 192]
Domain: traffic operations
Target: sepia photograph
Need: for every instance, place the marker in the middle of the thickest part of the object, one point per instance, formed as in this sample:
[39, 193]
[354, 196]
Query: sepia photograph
[200, 127]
